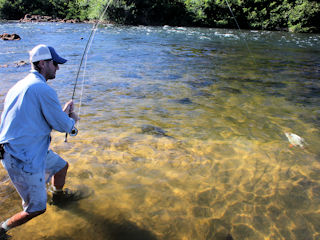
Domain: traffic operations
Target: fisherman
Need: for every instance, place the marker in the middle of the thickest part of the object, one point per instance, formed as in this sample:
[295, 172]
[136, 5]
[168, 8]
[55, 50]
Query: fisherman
[31, 111]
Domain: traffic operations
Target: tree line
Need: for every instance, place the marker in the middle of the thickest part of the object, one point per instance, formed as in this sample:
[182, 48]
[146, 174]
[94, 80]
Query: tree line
[291, 15]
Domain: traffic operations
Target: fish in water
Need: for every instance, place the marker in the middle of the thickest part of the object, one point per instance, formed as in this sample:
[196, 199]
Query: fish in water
[153, 130]
[295, 140]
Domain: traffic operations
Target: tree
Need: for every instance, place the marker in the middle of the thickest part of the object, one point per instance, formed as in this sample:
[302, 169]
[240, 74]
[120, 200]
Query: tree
[305, 17]
[17, 9]
[295, 15]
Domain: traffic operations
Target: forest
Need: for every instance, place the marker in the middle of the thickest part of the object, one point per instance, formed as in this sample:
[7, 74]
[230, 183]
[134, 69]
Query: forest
[285, 15]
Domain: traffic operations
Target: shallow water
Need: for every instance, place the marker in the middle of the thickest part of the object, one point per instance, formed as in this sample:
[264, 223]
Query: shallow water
[182, 133]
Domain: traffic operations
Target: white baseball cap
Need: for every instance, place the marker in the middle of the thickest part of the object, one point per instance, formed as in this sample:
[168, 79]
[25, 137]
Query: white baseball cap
[44, 52]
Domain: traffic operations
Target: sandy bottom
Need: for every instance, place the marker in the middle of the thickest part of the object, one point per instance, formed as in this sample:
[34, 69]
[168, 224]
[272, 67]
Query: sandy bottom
[151, 187]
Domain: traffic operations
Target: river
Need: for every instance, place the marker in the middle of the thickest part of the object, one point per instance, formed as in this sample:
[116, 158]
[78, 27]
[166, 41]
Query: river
[182, 132]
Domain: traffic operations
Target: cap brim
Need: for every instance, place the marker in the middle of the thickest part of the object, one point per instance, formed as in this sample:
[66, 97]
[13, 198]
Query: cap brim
[60, 60]
[56, 57]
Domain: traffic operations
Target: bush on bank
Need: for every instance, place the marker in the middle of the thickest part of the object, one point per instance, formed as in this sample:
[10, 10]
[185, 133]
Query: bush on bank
[292, 15]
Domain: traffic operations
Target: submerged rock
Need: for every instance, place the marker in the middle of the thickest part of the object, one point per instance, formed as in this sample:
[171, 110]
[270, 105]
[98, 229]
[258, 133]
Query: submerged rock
[201, 83]
[202, 212]
[183, 101]
[10, 37]
[153, 130]
[84, 174]
[230, 90]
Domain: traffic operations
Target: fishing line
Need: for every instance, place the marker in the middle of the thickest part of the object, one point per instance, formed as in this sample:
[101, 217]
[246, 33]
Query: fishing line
[245, 41]
[82, 87]
[84, 56]
[83, 79]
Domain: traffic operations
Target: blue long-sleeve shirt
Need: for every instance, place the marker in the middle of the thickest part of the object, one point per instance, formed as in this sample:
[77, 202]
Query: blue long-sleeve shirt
[31, 111]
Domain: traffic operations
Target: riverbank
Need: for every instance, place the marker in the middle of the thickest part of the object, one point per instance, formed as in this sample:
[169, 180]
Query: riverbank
[39, 18]
[301, 16]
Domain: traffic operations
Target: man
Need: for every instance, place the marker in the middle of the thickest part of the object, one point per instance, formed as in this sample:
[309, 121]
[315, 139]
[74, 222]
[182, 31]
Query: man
[31, 111]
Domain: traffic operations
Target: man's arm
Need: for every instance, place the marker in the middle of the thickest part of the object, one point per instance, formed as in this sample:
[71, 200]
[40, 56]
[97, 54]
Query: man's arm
[52, 111]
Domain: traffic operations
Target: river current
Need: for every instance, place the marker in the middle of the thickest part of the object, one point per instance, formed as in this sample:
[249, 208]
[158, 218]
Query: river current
[182, 133]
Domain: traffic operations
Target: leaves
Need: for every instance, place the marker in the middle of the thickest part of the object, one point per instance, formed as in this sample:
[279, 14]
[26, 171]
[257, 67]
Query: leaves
[305, 17]
[293, 15]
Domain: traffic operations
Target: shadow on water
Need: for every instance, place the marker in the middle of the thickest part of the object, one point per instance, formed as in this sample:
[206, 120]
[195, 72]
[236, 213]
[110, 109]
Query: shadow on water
[117, 228]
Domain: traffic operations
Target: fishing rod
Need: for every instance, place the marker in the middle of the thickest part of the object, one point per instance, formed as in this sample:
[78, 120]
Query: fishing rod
[74, 131]
[245, 41]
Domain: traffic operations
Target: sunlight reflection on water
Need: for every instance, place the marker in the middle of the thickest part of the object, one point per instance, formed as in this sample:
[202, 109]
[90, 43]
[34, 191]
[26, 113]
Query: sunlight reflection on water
[181, 136]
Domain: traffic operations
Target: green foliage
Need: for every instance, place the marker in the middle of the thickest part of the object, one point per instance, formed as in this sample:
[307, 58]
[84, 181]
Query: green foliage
[293, 15]
[68, 9]
[264, 14]
[59, 8]
[95, 7]
[149, 12]
[197, 9]
[305, 17]
[17, 9]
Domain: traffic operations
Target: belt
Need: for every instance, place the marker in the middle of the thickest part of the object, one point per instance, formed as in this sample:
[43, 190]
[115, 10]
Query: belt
[1, 151]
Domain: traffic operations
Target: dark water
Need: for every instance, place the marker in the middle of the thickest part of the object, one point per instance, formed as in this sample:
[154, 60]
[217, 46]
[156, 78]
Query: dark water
[182, 132]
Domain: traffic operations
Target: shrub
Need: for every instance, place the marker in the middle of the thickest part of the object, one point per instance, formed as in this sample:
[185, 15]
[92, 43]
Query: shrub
[304, 17]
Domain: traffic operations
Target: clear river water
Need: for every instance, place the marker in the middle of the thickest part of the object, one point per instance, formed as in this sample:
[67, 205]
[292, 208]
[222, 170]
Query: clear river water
[182, 133]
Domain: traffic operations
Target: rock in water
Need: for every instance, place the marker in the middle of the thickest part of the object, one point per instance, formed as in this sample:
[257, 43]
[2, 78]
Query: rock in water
[21, 63]
[184, 101]
[153, 130]
[230, 90]
[10, 37]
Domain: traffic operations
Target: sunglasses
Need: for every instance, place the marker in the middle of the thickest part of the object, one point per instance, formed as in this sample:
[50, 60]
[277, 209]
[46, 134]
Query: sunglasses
[54, 62]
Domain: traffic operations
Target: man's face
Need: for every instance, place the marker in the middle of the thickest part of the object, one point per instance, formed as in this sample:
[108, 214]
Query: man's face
[50, 69]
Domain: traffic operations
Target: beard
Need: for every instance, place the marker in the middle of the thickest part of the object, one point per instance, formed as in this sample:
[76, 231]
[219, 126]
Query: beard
[51, 76]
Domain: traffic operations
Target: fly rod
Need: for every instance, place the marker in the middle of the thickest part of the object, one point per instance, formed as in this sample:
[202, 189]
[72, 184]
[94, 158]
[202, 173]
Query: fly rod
[74, 131]
[245, 41]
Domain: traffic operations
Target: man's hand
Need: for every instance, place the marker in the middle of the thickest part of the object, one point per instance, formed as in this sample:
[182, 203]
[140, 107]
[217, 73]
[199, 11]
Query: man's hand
[68, 107]
[74, 116]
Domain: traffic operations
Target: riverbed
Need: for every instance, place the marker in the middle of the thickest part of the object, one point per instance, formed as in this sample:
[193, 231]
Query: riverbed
[182, 132]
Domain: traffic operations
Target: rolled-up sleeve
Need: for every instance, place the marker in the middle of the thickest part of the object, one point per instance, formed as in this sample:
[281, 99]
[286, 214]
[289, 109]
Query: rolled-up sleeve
[52, 110]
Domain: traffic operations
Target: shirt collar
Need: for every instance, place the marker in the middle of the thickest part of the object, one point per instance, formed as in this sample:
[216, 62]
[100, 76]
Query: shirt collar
[38, 74]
